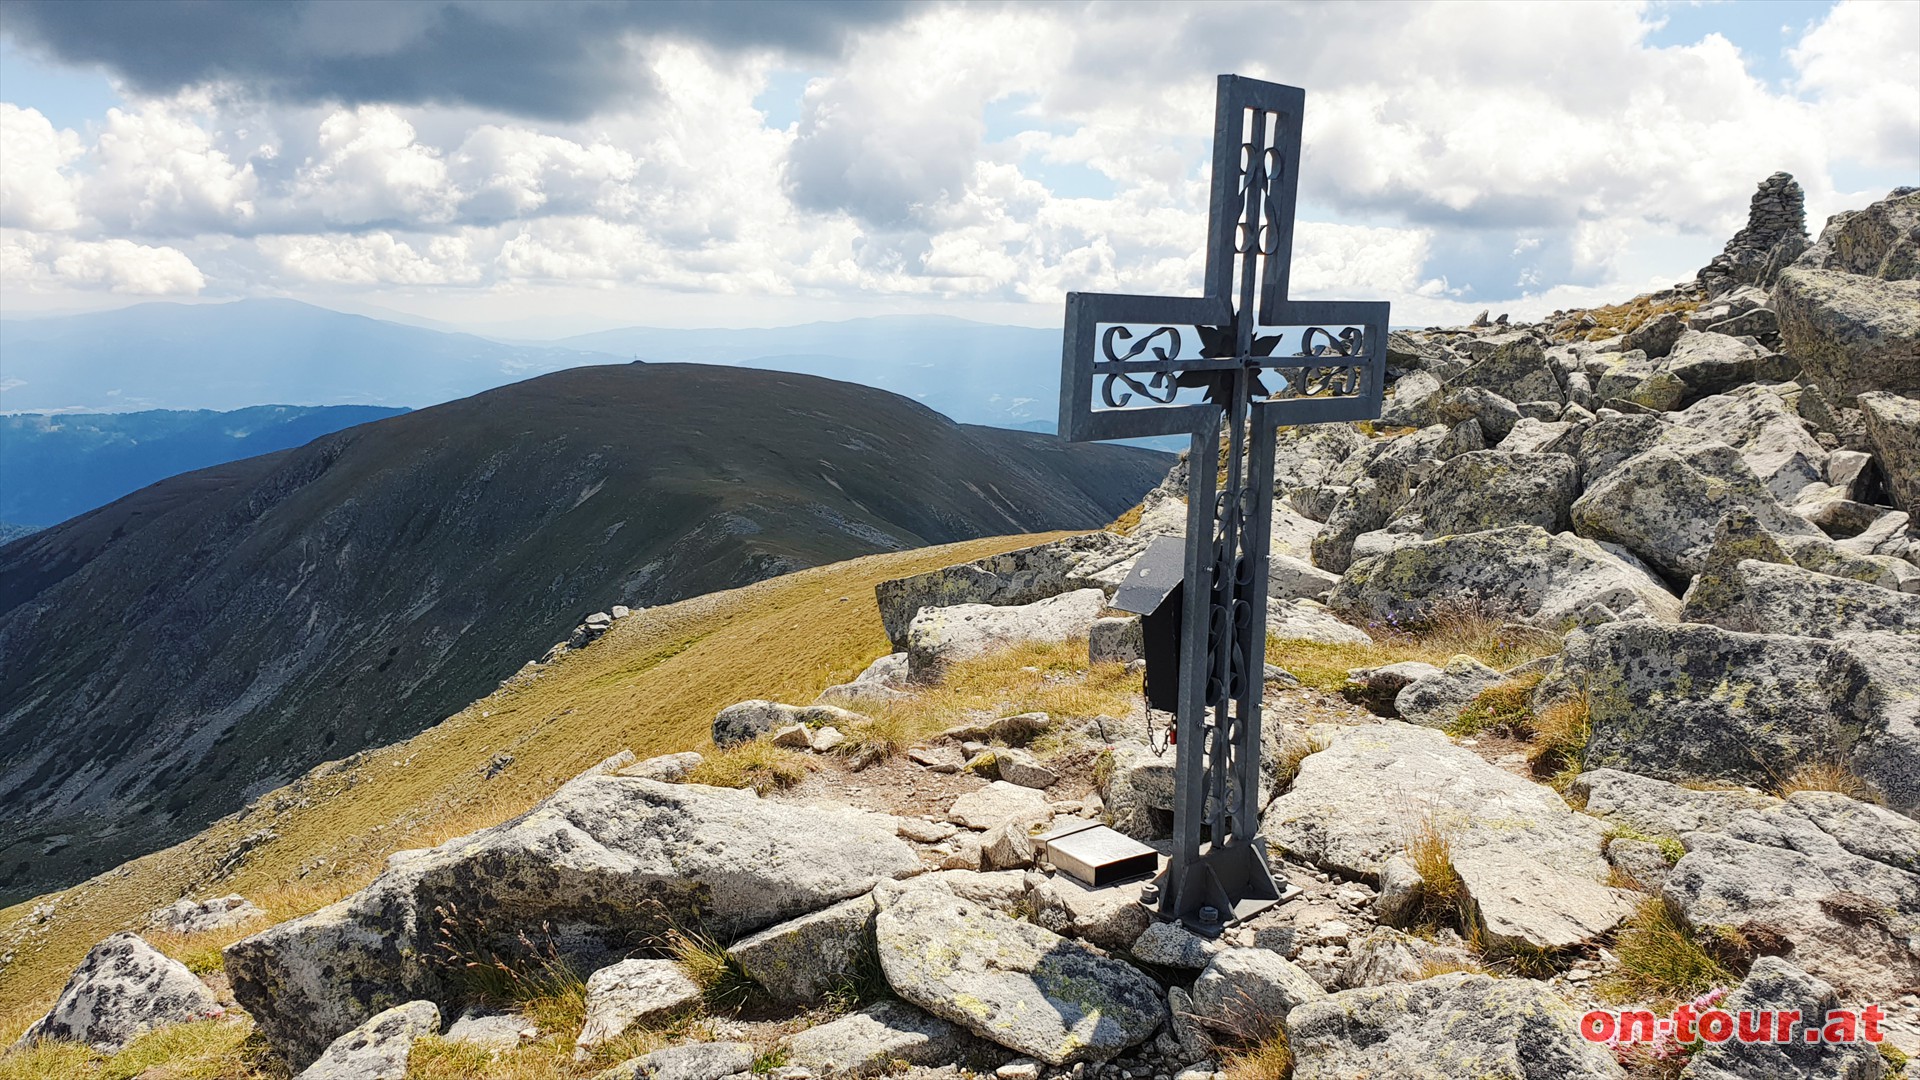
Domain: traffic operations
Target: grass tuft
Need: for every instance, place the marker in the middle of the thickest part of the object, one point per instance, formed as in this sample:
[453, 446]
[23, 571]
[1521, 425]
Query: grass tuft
[1828, 776]
[756, 764]
[1269, 1059]
[1443, 895]
[1560, 736]
[1661, 959]
[1503, 709]
[711, 967]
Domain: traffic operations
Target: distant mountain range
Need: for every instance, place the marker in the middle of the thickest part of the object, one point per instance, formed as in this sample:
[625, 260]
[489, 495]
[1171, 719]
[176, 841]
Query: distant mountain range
[251, 352]
[53, 467]
[206, 638]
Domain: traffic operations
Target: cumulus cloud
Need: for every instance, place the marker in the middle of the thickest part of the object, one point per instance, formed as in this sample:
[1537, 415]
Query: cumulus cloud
[35, 191]
[157, 171]
[1860, 62]
[35, 263]
[372, 259]
[368, 169]
[522, 57]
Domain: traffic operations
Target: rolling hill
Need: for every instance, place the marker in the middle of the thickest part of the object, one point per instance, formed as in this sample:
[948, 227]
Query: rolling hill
[169, 656]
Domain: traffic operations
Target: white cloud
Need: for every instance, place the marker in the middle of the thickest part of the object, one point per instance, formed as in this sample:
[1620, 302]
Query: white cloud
[509, 172]
[37, 263]
[35, 191]
[157, 172]
[375, 258]
[367, 169]
[1860, 63]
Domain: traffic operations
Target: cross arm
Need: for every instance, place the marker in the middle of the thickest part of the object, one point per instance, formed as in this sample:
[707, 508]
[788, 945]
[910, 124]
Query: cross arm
[1081, 364]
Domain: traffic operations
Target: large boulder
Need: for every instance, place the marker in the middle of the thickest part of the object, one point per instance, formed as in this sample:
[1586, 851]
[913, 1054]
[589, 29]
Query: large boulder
[1532, 867]
[1011, 578]
[1692, 702]
[1714, 363]
[1659, 808]
[1832, 880]
[1760, 597]
[1491, 489]
[1758, 421]
[1436, 700]
[1851, 333]
[688, 1061]
[869, 1042]
[939, 636]
[1247, 989]
[1012, 982]
[1893, 425]
[123, 989]
[606, 858]
[1450, 1027]
[1882, 241]
[1774, 987]
[203, 916]
[379, 1048]
[1545, 579]
[1663, 504]
[1515, 366]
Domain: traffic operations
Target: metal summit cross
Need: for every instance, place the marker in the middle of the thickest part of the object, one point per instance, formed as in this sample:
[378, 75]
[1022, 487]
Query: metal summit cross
[1143, 352]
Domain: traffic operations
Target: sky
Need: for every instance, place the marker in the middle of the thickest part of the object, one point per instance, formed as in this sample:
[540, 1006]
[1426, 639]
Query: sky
[553, 168]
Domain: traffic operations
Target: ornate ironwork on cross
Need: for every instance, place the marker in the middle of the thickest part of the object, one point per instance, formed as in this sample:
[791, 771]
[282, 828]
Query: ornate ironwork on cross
[1246, 356]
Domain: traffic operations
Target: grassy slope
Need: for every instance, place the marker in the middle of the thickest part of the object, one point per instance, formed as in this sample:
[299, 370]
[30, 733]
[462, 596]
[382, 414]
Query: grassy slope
[651, 685]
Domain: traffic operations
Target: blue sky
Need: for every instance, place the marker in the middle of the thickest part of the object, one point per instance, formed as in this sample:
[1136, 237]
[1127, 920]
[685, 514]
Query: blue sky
[647, 164]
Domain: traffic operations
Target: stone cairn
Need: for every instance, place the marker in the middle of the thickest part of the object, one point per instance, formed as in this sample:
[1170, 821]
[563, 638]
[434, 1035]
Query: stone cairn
[1775, 235]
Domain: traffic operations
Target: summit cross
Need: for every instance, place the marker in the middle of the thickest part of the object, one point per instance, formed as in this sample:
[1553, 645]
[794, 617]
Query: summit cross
[1327, 362]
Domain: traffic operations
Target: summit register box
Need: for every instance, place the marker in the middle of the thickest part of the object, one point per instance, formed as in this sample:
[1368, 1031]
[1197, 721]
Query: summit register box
[1095, 855]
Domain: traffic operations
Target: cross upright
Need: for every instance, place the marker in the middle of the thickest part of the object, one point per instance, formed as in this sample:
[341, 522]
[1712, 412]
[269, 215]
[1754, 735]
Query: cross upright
[1144, 352]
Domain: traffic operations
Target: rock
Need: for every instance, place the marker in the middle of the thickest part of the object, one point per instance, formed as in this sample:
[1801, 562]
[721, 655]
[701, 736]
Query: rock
[792, 737]
[1774, 235]
[1824, 556]
[1451, 1027]
[942, 635]
[1661, 391]
[997, 802]
[1379, 687]
[1763, 596]
[1851, 333]
[922, 831]
[1385, 955]
[689, 1061]
[1663, 505]
[1365, 506]
[1310, 620]
[1656, 336]
[1009, 579]
[1012, 982]
[122, 990]
[1116, 640]
[1007, 846]
[1709, 363]
[1494, 414]
[966, 854]
[1407, 407]
[1489, 489]
[632, 992]
[202, 916]
[1138, 792]
[598, 862]
[1879, 241]
[868, 1042]
[825, 740]
[749, 720]
[1532, 868]
[1020, 767]
[1251, 990]
[1836, 879]
[1658, 808]
[1717, 588]
[1514, 366]
[1893, 424]
[1016, 730]
[939, 759]
[799, 961]
[1543, 579]
[1291, 578]
[667, 768]
[1768, 433]
[1171, 945]
[883, 680]
[1110, 917]
[1693, 701]
[1436, 700]
[379, 1048]
[492, 1030]
[1773, 987]
[1534, 436]
[1313, 454]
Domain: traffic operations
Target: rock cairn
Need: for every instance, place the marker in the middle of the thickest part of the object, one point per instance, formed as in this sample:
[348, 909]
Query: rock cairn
[1775, 235]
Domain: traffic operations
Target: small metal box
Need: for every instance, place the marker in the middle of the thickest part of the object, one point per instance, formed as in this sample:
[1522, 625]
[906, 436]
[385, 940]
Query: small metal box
[1095, 855]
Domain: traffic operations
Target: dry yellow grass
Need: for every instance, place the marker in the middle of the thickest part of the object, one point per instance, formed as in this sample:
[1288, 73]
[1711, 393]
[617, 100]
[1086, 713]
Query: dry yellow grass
[1625, 318]
[1560, 735]
[1828, 776]
[1443, 895]
[1325, 667]
[206, 1050]
[1049, 677]
[1269, 1059]
[652, 685]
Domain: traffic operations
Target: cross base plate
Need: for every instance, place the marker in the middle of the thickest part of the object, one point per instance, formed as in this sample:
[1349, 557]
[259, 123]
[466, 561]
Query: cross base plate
[1234, 881]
